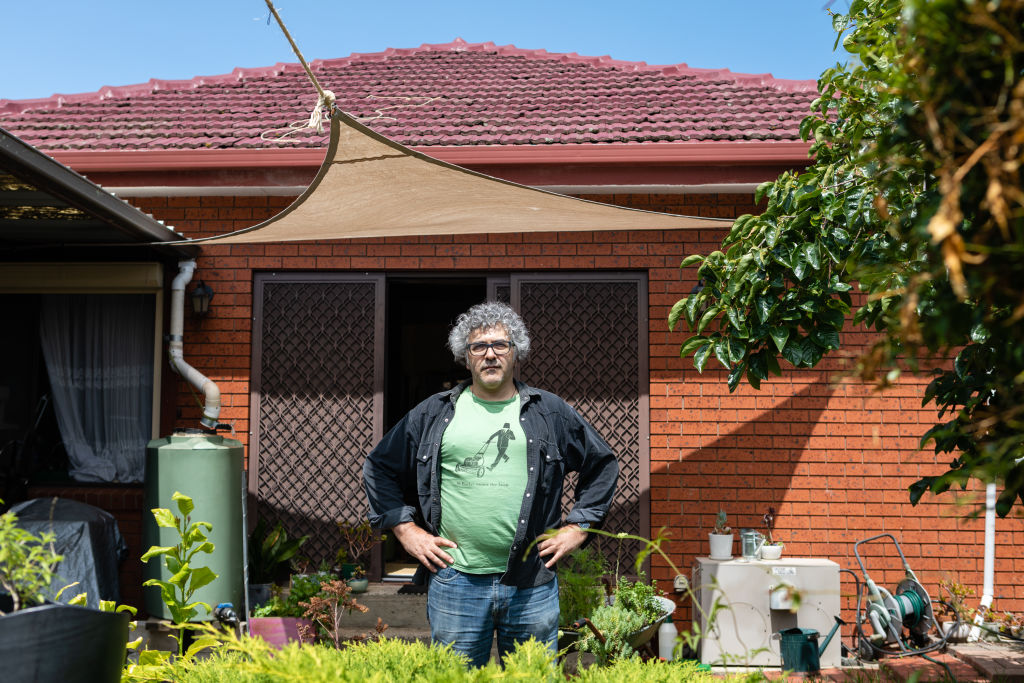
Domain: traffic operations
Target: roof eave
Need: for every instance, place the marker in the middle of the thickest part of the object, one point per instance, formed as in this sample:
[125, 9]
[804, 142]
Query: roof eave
[684, 153]
[40, 169]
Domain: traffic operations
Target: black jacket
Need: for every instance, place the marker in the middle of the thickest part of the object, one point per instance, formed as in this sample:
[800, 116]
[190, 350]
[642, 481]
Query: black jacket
[402, 474]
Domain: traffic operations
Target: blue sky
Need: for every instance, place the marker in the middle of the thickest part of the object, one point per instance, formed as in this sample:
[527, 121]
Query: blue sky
[75, 46]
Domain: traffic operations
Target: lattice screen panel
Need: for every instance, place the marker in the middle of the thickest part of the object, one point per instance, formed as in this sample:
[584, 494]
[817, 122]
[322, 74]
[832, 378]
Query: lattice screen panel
[316, 407]
[585, 340]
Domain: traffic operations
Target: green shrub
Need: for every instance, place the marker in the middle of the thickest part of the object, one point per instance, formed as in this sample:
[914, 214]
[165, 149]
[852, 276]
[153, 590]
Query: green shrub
[633, 670]
[638, 597]
[530, 661]
[579, 585]
[248, 660]
[616, 624]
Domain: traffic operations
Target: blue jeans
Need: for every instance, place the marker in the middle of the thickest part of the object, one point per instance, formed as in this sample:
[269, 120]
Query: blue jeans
[466, 609]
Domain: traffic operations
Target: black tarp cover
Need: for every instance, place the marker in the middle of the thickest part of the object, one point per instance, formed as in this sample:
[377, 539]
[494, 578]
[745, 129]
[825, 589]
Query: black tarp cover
[89, 540]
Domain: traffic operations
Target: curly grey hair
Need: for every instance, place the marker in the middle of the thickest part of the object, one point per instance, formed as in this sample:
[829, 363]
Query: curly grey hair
[486, 316]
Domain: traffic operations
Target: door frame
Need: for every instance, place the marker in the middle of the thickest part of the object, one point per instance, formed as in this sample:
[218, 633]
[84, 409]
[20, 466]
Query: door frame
[260, 281]
[640, 278]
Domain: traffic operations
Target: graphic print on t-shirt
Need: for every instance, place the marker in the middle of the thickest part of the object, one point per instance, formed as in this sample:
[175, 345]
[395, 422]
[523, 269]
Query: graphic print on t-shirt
[483, 479]
[475, 463]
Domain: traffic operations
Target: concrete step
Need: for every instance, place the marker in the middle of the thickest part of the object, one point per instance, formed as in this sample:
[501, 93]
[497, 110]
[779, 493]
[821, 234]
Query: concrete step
[400, 611]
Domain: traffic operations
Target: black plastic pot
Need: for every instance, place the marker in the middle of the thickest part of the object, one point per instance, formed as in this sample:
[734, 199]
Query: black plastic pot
[63, 643]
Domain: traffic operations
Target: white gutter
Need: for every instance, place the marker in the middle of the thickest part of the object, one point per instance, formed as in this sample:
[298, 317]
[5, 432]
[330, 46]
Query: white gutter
[211, 392]
[988, 585]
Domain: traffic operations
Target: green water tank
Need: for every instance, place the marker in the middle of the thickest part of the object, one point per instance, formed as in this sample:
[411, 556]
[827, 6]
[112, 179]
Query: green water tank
[208, 469]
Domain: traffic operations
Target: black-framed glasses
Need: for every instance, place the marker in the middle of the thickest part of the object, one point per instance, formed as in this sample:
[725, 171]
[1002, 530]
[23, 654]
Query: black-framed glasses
[500, 347]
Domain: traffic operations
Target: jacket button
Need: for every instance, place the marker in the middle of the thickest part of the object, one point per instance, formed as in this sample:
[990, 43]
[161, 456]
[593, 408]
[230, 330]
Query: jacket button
[527, 495]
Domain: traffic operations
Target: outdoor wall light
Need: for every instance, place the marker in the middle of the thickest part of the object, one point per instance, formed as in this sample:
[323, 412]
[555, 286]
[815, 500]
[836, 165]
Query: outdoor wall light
[202, 295]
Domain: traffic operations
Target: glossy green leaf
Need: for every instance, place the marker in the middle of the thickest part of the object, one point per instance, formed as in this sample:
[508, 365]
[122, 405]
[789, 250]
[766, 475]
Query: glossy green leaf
[700, 357]
[737, 349]
[721, 346]
[794, 351]
[780, 335]
[691, 260]
[691, 345]
[677, 312]
[706, 319]
[810, 253]
[763, 305]
[735, 375]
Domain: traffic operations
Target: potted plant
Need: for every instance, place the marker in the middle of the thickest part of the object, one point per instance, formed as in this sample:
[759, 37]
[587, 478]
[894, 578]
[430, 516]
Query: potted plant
[357, 539]
[720, 538]
[269, 553]
[44, 640]
[772, 548]
[280, 620]
[627, 622]
[358, 582]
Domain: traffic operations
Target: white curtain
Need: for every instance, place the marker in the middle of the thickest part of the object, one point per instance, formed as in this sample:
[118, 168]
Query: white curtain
[99, 356]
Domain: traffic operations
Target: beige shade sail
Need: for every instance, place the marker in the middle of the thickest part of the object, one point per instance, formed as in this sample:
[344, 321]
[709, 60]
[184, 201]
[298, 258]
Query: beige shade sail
[370, 186]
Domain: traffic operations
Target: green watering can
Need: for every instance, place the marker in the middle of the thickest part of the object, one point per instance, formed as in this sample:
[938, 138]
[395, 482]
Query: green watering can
[799, 647]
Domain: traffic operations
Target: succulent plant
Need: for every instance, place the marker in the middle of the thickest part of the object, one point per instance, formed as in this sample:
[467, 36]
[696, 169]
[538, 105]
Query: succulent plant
[721, 525]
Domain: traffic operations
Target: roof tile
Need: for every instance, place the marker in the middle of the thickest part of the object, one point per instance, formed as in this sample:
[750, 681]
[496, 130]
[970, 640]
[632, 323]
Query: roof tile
[456, 93]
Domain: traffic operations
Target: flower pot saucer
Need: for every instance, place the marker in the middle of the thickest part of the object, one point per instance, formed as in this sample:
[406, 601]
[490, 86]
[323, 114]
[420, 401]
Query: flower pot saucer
[720, 559]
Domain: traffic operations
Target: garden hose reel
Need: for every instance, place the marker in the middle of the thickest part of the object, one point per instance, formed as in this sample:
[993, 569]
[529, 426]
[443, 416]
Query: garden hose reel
[908, 608]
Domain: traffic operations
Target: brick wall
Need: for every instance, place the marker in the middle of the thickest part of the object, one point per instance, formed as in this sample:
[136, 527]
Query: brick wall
[829, 453]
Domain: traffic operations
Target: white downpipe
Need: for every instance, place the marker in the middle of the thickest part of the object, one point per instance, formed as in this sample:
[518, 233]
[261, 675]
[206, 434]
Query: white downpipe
[211, 392]
[988, 582]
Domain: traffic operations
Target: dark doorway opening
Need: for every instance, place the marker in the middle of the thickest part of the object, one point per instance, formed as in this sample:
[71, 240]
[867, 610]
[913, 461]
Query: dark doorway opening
[31, 450]
[420, 313]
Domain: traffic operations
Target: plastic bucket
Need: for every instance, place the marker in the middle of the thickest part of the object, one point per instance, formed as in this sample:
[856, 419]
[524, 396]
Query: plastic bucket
[799, 648]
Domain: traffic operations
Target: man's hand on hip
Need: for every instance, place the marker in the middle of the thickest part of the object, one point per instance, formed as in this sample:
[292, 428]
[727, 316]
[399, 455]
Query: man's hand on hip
[561, 543]
[426, 548]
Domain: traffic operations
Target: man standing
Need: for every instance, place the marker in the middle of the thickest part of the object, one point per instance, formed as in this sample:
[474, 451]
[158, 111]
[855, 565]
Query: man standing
[472, 526]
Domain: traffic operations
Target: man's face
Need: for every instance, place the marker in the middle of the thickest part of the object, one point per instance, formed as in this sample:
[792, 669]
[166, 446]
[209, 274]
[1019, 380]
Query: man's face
[491, 372]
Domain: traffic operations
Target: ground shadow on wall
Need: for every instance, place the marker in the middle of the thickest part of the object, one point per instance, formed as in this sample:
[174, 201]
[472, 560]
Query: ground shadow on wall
[742, 472]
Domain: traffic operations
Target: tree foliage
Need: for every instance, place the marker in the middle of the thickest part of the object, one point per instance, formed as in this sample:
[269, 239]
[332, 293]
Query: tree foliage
[913, 198]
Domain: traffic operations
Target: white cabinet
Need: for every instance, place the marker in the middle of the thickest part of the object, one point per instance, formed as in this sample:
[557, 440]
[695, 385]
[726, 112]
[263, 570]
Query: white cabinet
[745, 630]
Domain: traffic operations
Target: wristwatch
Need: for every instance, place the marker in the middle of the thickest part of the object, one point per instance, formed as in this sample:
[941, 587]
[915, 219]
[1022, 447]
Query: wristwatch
[583, 525]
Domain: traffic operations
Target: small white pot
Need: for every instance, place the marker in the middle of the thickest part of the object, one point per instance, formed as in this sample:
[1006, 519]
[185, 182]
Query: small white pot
[721, 546]
[771, 552]
[959, 635]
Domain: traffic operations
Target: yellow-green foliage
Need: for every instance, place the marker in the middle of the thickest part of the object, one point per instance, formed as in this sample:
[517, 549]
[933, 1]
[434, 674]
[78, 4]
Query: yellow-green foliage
[616, 624]
[251, 660]
[634, 670]
[248, 660]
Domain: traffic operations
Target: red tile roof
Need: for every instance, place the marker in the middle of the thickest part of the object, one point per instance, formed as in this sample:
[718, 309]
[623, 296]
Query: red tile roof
[453, 94]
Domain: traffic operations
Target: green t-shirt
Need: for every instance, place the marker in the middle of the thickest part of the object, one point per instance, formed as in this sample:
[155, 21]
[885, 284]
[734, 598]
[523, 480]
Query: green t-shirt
[483, 479]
